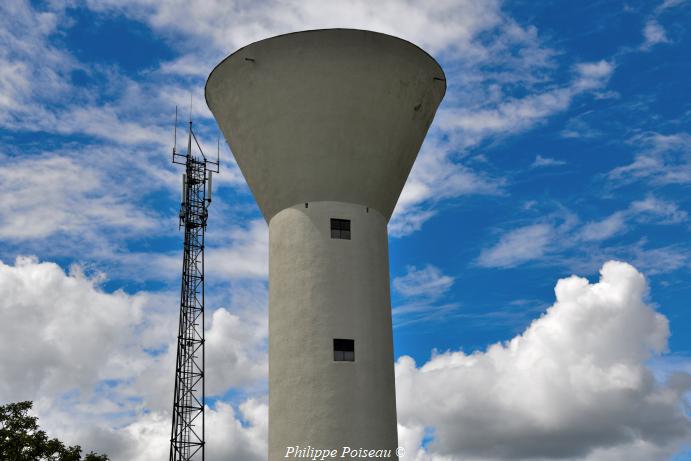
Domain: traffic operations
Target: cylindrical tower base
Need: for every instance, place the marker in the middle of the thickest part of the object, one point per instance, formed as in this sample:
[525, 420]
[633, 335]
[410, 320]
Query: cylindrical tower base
[328, 294]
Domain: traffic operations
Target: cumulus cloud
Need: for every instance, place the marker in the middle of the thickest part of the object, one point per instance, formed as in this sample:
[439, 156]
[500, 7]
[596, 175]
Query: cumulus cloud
[574, 385]
[245, 252]
[236, 350]
[99, 365]
[62, 331]
[231, 433]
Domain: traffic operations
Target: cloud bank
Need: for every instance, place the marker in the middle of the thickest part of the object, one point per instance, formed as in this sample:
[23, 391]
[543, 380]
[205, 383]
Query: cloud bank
[574, 385]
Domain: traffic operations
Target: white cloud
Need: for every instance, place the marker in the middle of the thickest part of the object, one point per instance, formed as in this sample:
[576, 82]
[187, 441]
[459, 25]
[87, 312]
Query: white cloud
[580, 127]
[656, 260]
[421, 291]
[230, 439]
[38, 93]
[512, 115]
[670, 4]
[62, 331]
[592, 75]
[236, 350]
[233, 253]
[54, 194]
[439, 175]
[653, 33]
[604, 229]
[541, 161]
[660, 159]
[245, 253]
[552, 236]
[651, 207]
[478, 35]
[435, 176]
[428, 282]
[409, 221]
[230, 434]
[29, 68]
[518, 246]
[99, 365]
[648, 210]
[574, 385]
[227, 26]
[551, 391]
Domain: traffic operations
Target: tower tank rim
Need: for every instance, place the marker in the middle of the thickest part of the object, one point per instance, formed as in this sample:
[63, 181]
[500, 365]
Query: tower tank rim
[328, 29]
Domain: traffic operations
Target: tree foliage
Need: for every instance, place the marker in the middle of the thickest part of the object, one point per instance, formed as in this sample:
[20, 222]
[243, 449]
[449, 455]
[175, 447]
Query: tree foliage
[22, 440]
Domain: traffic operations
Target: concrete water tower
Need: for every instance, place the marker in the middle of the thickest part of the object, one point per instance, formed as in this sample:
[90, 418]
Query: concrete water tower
[325, 126]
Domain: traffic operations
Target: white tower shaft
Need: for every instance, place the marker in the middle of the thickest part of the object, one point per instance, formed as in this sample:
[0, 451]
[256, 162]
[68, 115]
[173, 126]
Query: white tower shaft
[321, 289]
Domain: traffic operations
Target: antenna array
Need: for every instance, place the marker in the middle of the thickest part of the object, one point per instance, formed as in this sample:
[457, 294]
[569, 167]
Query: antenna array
[187, 432]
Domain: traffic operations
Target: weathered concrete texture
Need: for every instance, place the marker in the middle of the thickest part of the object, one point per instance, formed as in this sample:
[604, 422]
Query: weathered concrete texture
[322, 288]
[336, 114]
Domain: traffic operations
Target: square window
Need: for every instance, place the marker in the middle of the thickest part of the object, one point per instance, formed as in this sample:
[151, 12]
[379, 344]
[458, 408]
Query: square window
[344, 350]
[340, 229]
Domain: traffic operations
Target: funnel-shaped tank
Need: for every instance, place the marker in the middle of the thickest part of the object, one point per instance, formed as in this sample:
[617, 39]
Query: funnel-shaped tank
[326, 115]
[325, 125]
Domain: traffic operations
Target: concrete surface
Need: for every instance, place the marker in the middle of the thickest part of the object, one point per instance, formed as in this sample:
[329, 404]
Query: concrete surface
[320, 289]
[334, 114]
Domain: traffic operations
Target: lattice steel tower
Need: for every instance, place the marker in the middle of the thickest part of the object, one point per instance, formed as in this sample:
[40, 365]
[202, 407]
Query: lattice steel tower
[187, 433]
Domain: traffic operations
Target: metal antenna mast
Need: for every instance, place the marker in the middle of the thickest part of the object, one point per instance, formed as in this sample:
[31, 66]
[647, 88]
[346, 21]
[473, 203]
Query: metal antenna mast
[187, 433]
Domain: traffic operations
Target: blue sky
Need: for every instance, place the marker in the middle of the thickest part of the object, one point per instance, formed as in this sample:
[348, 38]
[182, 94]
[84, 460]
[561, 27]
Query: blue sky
[563, 142]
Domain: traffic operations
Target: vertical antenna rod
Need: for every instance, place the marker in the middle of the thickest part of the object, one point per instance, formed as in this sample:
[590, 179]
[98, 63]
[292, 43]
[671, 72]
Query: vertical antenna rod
[187, 431]
[175, 131]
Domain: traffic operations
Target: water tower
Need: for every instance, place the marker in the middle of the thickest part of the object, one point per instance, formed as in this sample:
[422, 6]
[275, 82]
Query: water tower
[325, 126]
